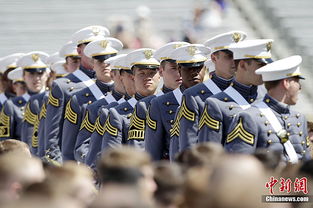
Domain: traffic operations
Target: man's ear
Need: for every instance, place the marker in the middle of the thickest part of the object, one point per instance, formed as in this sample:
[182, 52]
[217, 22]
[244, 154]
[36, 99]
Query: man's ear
[285, 83]
[80, 50]
[213, 58]
[242, 64]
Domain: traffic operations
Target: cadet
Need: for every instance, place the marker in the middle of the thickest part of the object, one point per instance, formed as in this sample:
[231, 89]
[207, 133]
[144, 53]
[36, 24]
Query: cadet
[146, 78]
[220, 109]
[7, 64]
[88, 122]
[64, 87]
[271, 123]
[99, 51]
[33, 107]
[127, 80]
[72, 60]
[190, 63]
[19, 86]
[35, 77]
[171, 79]
[220, 79]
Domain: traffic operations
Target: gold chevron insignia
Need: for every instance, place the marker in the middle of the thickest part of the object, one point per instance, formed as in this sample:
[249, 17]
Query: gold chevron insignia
[53, 101]
[70, 115]
[98, 127]
[4, 124]
[109, 128]
[136, 127]
[185, 112]
[35, 133]
[151, 123]
[29, 116]
[43, 111]
[207, 120]
[174, 131]
[87, 124]
[241, 133]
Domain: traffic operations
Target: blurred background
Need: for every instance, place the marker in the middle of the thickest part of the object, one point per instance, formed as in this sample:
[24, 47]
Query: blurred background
[47, 25]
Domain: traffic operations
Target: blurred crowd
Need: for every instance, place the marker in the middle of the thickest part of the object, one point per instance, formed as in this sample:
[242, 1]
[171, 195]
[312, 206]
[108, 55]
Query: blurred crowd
[203, 176]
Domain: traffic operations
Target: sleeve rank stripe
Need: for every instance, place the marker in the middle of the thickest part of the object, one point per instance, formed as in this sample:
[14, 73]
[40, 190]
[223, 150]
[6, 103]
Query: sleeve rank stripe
[30, 117]
[4, 124]
[53, 101]
[87, 124]
[70, 114]
[98, 127]
[109, 128]
[206, 119]
[174, 131]
[136, 134]
[151, 123]
[136, 122]
[241, 133]
[43, 111]
[35, 133]
[188, 114]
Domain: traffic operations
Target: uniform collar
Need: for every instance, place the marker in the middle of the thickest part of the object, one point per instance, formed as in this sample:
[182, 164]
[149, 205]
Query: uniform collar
[127, 97]
[166, 89]
[9, 95]
[138, 96]
[104, 87]
[182, 88]
[250, 93]
[221, 82]
[90, 73]
[277, 106]
[31, 92]
[117, 95]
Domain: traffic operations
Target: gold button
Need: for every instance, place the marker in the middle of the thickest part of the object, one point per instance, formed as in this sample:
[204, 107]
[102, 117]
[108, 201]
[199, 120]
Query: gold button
[269, 141]
[288, 134]
[288, 124]
[125, 109]
[47, 88]
[225, 99]
[167, 103]
[170, 112]
[171, 121]
[202, 91]
[232, 84]
[251, 100]
[231, 107]
[23, 114]
[71, 88]
[68, 81]
[267, 100]
[261, 114]
[87, 94]
[269, 132]
[298, 115]
[303, 142]
[22, 108]
[266, 123]
[285, 117]
[300, 133]
[89, 102]
[303, 152]
[20, 101]
[298, 124]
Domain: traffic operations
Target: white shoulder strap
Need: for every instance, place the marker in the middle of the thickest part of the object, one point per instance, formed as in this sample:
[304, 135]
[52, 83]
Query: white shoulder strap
[178, 95]
[3, 98]
[212, 86]
[26, 97]
[109, 98]
[269, 114]
[84, 78]
[132, 102]
[237, 97]
[121, 100]
[159, 93]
